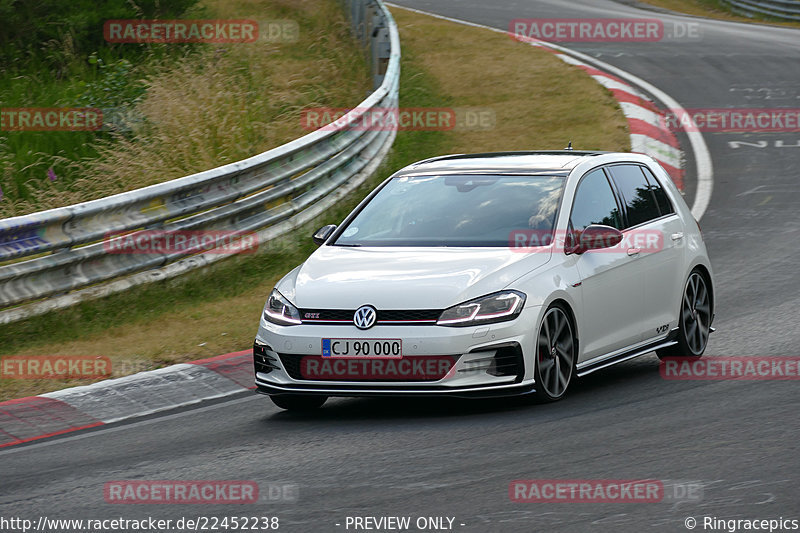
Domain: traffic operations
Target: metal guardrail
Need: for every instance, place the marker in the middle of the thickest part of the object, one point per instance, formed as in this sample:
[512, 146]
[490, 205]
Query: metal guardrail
[56, 258]
[781, 9]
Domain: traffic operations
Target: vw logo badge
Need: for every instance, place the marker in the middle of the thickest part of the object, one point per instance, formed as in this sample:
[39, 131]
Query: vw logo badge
[365, 317]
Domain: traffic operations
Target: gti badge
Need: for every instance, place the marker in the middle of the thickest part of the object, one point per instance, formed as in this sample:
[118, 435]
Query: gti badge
[365, 317]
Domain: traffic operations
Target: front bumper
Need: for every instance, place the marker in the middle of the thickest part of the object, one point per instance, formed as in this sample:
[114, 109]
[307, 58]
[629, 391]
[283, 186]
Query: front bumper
[484, 361]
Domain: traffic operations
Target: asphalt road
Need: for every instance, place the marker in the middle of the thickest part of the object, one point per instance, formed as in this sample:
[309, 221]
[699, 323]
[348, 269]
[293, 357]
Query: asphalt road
[739, 440]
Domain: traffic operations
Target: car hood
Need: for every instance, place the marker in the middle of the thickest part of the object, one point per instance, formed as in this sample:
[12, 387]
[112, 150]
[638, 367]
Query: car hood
[338, 277]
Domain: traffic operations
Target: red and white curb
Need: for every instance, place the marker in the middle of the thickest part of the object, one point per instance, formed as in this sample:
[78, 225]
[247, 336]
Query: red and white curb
[648, 131]
[113, 400]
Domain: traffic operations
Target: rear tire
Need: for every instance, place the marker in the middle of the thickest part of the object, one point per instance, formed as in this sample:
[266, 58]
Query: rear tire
[298, 402]
[556, 350]
[694, 321]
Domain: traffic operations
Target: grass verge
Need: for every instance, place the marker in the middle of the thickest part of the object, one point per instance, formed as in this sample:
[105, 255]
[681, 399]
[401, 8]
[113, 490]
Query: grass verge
[716, 9]
[538, 103]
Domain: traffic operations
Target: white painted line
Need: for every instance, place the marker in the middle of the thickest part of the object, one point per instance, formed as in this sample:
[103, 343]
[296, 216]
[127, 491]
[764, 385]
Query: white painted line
[705, 170]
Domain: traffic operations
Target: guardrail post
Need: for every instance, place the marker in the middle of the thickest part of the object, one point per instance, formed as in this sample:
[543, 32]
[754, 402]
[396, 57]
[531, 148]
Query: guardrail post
[381, 52]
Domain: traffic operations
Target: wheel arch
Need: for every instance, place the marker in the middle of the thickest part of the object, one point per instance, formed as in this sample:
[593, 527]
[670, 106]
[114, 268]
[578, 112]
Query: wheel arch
[567, 306]
[706, 273]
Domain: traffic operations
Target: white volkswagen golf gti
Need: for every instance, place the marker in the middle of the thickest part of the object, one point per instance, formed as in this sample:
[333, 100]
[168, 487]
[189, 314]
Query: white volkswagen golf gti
[490, 274]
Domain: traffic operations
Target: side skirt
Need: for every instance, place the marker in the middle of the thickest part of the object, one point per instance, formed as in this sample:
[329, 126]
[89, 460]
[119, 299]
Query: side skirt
[598, 363]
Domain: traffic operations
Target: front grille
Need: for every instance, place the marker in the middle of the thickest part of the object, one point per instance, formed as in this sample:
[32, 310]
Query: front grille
[326, 315]
[386, 317]
[318, 368]
[262, 361]
[410, 315]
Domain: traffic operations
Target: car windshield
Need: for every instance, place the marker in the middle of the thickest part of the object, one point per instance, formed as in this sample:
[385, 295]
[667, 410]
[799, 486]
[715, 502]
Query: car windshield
[455, 210]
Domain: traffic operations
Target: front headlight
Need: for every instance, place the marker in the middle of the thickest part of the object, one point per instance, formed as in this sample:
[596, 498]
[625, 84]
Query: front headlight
[497, 307]
[279, 310]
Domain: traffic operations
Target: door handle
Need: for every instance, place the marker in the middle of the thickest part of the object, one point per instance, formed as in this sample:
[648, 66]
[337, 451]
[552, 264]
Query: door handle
[634, 251]
[677, 236]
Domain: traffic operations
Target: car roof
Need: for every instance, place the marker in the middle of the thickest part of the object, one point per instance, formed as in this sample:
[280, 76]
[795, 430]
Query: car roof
[527, 162]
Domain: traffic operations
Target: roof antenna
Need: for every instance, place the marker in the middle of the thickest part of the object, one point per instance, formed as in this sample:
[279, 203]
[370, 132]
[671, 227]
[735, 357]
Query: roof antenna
[569, 146]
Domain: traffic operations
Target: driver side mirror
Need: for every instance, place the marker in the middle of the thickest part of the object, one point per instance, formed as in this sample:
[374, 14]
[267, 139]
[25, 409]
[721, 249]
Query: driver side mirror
[597, 236]
[322, 234]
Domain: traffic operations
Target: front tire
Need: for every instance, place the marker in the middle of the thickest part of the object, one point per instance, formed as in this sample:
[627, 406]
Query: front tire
[298, 402]
[694, 321]
[556, 350]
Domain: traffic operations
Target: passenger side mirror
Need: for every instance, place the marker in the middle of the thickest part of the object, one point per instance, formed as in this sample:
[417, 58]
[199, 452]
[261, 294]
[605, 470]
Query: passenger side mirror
[322, 234]
[598, 236]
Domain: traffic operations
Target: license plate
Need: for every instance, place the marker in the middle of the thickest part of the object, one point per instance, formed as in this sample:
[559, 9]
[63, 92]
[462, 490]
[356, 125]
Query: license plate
[363, 348]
